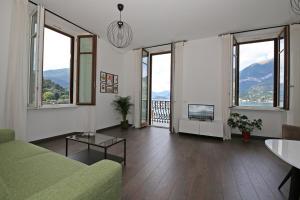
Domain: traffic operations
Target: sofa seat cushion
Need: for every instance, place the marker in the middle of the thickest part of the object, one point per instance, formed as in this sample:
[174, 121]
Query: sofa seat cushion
[28, 169]
[3, 190]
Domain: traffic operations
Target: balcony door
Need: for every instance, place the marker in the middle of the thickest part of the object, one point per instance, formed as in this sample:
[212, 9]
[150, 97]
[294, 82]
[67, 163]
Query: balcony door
[145, 89]
[160, 89]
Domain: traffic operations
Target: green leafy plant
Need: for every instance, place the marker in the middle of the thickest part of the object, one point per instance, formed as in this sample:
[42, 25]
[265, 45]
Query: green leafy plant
[122, 105]
[244, 124]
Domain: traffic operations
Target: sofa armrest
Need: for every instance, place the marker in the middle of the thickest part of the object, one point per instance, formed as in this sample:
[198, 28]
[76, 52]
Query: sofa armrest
[100, 181]
[6, 135]
[290, 132]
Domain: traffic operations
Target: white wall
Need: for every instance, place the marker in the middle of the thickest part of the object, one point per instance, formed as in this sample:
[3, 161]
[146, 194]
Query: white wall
[109, 60]
[202, 74]
[129, 80]
[293, 116]
[5, 16]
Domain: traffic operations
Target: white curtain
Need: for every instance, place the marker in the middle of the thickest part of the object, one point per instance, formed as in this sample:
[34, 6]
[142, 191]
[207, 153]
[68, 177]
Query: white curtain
[227, 44]
[137, 87]
[177, 87]
[293, 115]
[16, 84]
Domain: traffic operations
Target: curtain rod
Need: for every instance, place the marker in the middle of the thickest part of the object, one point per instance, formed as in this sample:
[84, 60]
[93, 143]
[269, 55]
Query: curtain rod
[258, 29]
[57, 15]
[158, 45]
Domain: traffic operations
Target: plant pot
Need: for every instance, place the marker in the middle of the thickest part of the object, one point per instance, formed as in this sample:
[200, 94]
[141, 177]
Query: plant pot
[246, 136]
[124, 124]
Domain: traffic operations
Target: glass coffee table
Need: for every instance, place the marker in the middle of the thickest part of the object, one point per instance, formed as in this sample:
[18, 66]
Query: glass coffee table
[90, 156]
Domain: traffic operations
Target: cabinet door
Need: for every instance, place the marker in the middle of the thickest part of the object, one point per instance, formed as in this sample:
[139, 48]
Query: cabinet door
[206, 128]
[189, 126]
[214, 129]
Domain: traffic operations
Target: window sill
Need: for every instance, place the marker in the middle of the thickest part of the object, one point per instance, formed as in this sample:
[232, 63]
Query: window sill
[61, 106]
[252, 108]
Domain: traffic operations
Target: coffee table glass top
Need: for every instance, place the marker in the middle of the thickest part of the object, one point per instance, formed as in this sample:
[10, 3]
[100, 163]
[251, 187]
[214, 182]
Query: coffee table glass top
[96, 139]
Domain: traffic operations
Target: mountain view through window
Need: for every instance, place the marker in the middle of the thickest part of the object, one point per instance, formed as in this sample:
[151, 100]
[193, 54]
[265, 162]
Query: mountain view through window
[256, 74]
[56, 68]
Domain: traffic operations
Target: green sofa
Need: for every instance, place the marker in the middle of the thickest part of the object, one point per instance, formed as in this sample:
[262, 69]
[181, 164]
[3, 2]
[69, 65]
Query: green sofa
[33, 173]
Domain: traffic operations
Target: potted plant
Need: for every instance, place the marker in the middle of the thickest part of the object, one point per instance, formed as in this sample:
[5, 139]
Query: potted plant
[245, 125]
[122, 105]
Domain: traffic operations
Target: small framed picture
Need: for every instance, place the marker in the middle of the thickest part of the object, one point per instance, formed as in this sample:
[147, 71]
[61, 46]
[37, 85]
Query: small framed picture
[102, 76]
[109, 79]
[116, 79]
[115, 89]
[103, 87]
[109, 89]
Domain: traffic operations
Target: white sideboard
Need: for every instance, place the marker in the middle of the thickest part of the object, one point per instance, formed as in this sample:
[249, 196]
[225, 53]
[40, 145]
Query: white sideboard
[208, 128]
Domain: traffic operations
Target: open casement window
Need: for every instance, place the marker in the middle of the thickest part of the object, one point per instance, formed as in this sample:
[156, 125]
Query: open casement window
[260, 65]
[86, 69]
[282, 70]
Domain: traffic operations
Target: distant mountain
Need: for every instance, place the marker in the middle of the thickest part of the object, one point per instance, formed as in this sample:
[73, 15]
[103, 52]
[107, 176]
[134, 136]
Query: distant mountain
[257, 82]
[58, 76]
[164, 95]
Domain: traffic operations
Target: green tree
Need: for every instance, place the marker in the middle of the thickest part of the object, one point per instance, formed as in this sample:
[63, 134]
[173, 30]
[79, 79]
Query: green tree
[47, 96]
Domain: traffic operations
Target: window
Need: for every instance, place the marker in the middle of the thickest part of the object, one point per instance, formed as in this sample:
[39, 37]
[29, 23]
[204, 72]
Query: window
[57, 84]
[260, 72]
[51, 69]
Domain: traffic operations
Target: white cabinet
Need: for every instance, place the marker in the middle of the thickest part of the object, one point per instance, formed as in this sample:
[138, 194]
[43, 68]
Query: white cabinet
[208, 128]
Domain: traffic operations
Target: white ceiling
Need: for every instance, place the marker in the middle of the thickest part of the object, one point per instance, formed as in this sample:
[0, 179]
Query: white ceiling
[162, 21]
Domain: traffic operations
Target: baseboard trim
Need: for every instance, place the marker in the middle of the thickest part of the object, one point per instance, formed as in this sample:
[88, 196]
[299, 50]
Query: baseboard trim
[107, 128]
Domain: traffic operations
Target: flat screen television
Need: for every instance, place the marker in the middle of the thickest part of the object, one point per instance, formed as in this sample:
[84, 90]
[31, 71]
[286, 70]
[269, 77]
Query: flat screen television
[201, 112]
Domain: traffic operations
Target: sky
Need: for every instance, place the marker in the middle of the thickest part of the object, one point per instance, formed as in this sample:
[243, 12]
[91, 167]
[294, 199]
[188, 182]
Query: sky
[255, 53]
[161, 66]
[57, 50]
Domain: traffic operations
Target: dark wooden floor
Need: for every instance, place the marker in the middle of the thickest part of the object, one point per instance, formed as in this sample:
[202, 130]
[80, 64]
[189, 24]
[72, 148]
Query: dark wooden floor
[165, 166]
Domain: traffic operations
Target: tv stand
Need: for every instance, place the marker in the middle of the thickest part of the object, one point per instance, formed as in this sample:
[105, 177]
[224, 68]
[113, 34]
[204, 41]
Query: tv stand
[212, 128]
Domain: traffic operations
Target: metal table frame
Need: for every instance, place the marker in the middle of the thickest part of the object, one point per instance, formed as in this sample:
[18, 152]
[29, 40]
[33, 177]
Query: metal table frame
[97, 145]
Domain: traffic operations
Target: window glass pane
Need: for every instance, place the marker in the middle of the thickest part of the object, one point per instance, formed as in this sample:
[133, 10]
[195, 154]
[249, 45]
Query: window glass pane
[256, 74]
[281, 44]
[33, 64]
[85, 78]
[56, 68]
[86, 45]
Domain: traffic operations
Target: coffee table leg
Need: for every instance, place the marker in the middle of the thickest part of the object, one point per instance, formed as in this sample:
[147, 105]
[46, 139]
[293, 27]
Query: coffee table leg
[295, 184]
[125, 152]
[105, 153]
[66, 147]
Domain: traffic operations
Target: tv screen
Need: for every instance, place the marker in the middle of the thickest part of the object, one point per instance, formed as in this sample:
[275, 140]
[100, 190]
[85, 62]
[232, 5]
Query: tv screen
[201, 112]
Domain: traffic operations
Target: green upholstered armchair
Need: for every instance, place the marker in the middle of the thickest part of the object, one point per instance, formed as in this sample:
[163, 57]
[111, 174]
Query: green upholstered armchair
[6, 135]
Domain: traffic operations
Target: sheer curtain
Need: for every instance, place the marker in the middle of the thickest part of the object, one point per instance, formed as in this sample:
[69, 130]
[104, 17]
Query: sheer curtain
[177, 87]
[227, 43]
[137, 87]
[293, 115]
[16, 83]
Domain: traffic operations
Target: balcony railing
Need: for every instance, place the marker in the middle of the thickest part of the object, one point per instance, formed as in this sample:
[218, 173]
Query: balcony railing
[160, 113]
